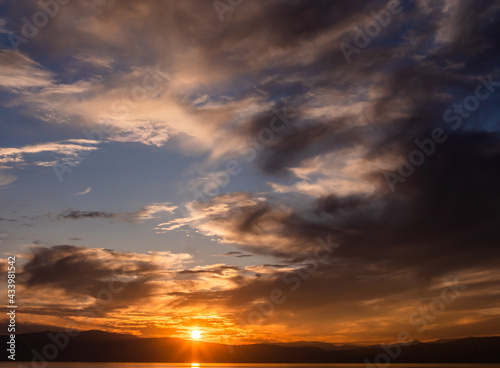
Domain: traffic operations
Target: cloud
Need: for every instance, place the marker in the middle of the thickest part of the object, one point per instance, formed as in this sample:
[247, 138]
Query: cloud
[355, 122]
[84, 192]
[254, 224]
[19, 72]
[302, 64]
[93, 59]
[236, 254]
[144, 213]
[431, 237]
[6, 179]
[79, 271]
[219, 269]
[80, 281]
[149, 212]
[179, 107]
[70, 150]
[77, 215]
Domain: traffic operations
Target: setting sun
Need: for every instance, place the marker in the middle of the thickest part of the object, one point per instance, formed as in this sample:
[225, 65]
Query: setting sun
[196, 334]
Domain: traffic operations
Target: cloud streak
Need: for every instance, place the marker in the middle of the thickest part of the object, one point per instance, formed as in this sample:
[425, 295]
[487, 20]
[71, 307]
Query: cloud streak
[144, 213]
[84, 192]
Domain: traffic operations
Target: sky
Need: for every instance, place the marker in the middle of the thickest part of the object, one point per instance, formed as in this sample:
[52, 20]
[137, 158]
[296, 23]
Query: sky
[257, 170]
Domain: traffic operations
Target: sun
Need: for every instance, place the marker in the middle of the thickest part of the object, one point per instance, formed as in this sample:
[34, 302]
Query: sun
[196, 334]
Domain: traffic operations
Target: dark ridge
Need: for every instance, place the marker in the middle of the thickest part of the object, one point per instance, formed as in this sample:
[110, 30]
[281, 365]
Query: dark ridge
[99, 346]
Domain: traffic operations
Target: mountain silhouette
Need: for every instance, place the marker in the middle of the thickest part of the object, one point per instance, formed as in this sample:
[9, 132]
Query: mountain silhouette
[99, 346]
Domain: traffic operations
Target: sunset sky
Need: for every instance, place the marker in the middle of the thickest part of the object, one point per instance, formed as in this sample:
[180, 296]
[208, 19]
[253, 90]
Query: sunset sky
[275, 170]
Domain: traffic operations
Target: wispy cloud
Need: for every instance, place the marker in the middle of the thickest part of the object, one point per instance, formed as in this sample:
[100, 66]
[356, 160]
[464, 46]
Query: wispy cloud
[69, 148]
[6, 179]
[84, 192]
[144, 213]
[20, 72]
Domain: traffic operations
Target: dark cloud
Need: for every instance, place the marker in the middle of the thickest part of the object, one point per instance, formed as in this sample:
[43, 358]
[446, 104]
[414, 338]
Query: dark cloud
[92, 272]
[237, 254]
[64, 266]
[442, 218]
[76, 215]
[219, 270]
[232, 253]
[9, 220]
[302, 141]
[144, 213]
